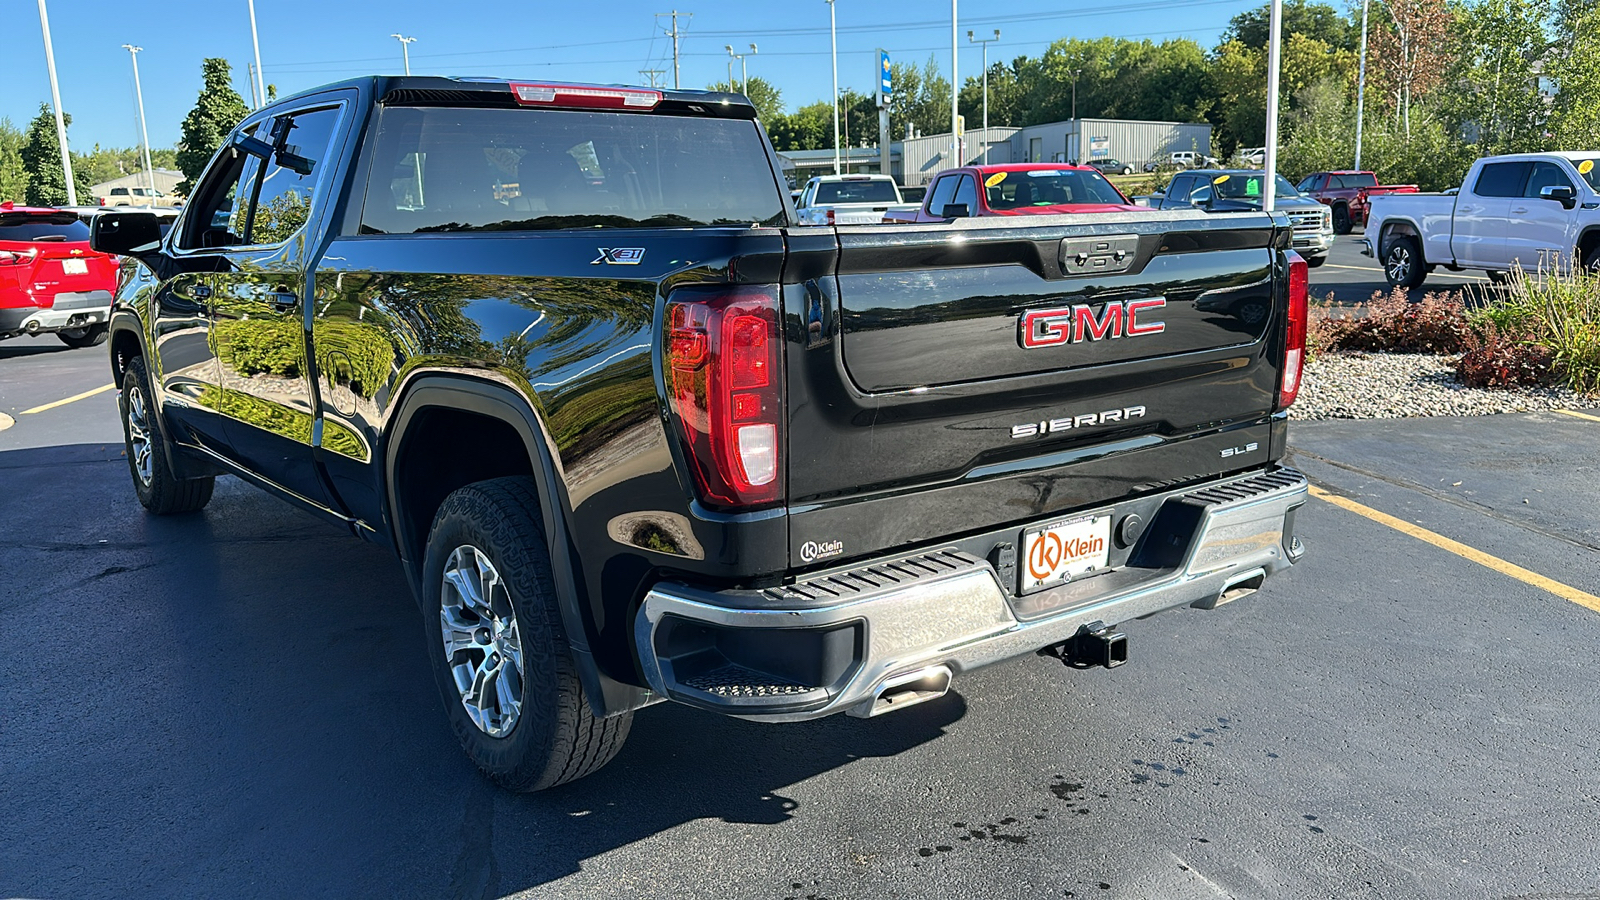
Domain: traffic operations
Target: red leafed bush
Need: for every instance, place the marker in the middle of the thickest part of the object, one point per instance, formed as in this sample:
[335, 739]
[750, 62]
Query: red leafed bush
[1499, 360]
[1392, 323]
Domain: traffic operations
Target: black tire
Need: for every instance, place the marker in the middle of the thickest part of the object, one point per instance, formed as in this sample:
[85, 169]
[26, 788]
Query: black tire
[1315, 262]
[160, 491]
[87, 336]
[1341, 219]
[1591, 261]
[553, 737]
[1498, 276]
[1402, 263]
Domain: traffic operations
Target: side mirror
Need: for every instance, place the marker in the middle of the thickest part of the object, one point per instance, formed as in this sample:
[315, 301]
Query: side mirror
[125, 233]
[1560, 193]
[955, 211]
[252, 145]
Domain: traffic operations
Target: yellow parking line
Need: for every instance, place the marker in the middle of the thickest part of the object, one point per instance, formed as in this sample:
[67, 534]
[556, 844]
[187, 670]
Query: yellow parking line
[1566, 592]
[73, 399]
[1578, 415]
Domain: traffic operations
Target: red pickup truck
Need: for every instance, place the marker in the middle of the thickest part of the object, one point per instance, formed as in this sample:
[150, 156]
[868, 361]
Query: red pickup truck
[1347, 193]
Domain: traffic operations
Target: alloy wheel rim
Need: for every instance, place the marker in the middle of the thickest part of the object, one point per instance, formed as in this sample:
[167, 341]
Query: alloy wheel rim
[139, 435]
[482, 644]
[1399, 264]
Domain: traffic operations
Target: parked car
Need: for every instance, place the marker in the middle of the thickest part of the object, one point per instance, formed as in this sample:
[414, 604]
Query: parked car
[636, 438]
[1346, 194]
[134, 196]
[1112, 166]
[1183, 159]
[1236, 190]
[51, 282]
[1530, 210]
[849, 200]
[1016, 189]
[1251, 157]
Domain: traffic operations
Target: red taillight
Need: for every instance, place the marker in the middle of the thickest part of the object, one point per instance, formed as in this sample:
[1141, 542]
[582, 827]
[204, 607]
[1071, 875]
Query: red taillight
[1294, 344]
[584, 97]
[722, 359]
[17, 257]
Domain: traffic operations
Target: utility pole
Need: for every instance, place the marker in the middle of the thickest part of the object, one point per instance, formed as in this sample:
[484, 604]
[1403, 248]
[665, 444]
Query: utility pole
[405, 48]
[1269, 191]
[144, 132]
[833, 33]
[255, 42]
[55, 97]
[676, 33]
[653, 74]
[985, 42]
[1361, 84]
[250, 73]
[1075, 74]
[955, 93]
[744, 72]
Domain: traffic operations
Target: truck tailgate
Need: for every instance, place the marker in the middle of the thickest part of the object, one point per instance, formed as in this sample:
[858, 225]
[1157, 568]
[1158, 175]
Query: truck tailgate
[957, 378]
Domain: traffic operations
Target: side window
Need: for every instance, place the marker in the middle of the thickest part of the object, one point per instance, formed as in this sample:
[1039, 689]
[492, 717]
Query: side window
[1178, 190]
[1340, 183]
[218, 213]
[1309, 185]
[942, 191]
[283, 202]
[967, 192]
[1502, 179]
[1546, 175]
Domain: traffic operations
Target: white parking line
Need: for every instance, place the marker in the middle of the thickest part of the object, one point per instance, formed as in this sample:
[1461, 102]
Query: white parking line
[6, 421]
[1380, 272]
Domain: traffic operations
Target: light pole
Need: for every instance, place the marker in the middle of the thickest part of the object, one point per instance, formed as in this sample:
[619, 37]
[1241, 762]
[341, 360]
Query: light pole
[1269, 191]
[144, 132]
[985, 42]
[744, 72]
[1075, 74]
[955, 92]
[255, 43]
[405, 48]
[731, 57]
[1361, 84]
[833, 34]
[55, 97]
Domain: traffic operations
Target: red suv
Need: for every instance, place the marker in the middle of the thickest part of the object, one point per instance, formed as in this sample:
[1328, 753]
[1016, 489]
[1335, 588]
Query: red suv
[50, 281]
[1019, 189]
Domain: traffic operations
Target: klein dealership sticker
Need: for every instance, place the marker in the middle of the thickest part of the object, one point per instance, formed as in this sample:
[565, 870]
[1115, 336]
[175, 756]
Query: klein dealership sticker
[1586, 167]
[811, 551]
[619, 256]
[994, 180]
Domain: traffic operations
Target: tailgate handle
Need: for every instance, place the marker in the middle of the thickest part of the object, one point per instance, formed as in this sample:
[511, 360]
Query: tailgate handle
[1108, 255]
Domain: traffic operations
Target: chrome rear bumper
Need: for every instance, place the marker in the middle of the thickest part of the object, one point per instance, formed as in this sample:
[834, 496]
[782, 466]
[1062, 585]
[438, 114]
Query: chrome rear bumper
[838, 641]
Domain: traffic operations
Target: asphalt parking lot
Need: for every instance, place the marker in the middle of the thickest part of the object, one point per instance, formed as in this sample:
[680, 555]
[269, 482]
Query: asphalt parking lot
[1348, 277]
[237, 704]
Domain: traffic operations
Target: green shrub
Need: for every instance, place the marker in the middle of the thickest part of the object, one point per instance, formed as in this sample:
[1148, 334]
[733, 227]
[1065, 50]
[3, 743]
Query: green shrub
[1562, 311]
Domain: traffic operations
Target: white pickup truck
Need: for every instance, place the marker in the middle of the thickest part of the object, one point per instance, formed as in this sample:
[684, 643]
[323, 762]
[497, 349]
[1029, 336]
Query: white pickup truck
[1533, 210]
[850, 200]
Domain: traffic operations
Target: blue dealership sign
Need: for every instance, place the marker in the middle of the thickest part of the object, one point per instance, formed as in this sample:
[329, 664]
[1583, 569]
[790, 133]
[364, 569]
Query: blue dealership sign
[885, 82]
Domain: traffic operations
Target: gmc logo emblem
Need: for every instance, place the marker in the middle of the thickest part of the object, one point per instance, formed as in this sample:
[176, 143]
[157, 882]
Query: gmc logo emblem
[1075, 324]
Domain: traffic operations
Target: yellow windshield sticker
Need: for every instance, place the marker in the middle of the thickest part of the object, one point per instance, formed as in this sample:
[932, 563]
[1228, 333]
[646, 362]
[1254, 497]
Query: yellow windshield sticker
[1219, 179]
[994, 180]
[1586, 167]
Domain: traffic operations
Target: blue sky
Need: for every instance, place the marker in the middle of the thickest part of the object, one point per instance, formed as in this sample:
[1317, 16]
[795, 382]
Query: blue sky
[305, 43]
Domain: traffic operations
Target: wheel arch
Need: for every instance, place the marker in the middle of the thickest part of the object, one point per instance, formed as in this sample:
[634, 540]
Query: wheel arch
[507, 415]
[1588, 242]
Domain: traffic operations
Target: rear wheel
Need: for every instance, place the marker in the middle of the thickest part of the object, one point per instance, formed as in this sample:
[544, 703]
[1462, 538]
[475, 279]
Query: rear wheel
[87, 336]
[499, 652]
[1591, 260]
[159, 490]
[1341, 219]
[1499, 277]
[1402, 263]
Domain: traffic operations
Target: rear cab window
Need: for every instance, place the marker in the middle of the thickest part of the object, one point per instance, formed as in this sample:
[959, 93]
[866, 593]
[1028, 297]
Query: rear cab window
[445, 169]
[1502, 179]
[864, 191]
[45, 228]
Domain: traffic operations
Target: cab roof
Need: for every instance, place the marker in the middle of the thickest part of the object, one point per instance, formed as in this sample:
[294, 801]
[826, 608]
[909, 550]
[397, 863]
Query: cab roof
[436, 90]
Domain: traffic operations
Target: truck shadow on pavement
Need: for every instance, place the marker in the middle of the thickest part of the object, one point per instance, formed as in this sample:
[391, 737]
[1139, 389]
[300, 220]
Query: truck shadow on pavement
[239, 705]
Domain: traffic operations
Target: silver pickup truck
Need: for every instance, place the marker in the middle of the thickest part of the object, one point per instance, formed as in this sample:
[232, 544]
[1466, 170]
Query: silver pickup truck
[1533, 210]
[850, 200]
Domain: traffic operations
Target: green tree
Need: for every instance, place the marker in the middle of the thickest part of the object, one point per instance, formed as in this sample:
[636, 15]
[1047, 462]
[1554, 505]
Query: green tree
[808, 128]
[1314, 20]
[1319, 131]
[13, 175]
[1575, 71]
[767, 99]
[218, 109]
[1493, 91]
[41, 158]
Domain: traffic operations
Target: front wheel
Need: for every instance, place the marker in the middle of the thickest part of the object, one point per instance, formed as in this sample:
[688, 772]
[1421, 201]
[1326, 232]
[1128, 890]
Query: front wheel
[499, 652]
[1341, 220]
[1402, 263]
[87, 336]
[159, 490]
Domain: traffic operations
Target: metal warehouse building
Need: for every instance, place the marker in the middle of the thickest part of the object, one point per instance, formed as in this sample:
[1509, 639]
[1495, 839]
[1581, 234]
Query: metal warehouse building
[915, 161]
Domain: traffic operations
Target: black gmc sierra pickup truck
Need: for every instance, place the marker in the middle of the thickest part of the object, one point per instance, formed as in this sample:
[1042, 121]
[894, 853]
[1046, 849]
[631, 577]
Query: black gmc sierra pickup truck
[635, 436]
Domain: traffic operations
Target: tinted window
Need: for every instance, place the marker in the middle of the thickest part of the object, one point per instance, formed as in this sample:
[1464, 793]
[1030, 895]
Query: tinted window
[1502, 179]
[219, 215]
[1310, 184]
[43, 228]
[1590, 170]
[1546, 175]
[967, 192]
[1045, 187]
[283, 202]
[943, 190]
[443, 170]
[1178, 190]
[856, 192]
[1361, 180]
[1249, 187]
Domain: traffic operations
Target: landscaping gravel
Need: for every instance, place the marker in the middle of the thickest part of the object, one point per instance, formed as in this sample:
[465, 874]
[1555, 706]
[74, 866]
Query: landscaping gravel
[1400, 385]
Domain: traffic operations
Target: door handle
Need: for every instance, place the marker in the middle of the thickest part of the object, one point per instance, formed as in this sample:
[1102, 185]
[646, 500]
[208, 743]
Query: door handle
[1519, 210]
[201, 292]
[283, 301]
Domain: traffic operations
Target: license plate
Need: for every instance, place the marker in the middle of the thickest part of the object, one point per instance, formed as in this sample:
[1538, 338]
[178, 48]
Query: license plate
[75, 266]
[1056, 553]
